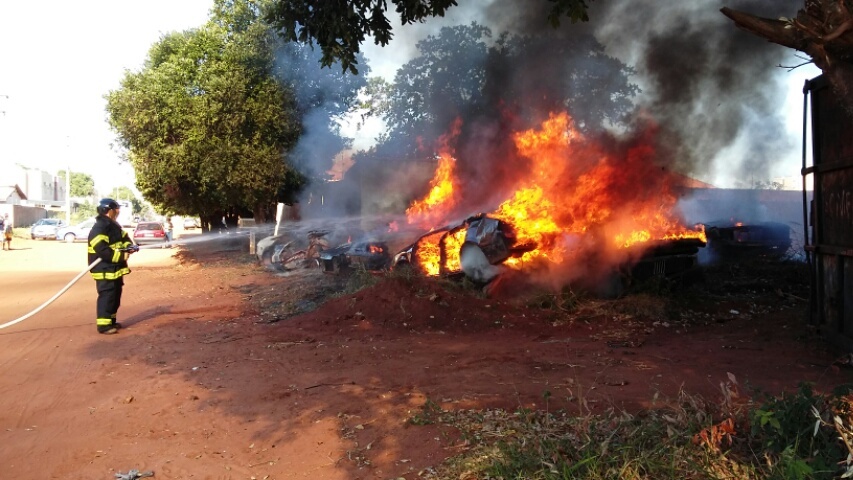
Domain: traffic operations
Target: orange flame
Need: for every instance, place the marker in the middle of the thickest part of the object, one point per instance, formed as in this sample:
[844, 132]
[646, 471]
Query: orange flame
[441, 194]
[571, 186]
[451, 244]
[438, 252]
[427, 253]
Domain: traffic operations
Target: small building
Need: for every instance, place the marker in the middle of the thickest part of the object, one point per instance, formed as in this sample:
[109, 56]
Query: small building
[11, 195]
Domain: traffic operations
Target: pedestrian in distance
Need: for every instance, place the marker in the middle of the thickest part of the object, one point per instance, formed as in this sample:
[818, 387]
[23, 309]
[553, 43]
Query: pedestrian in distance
[112, 245]
[7, 232]
[169, 229]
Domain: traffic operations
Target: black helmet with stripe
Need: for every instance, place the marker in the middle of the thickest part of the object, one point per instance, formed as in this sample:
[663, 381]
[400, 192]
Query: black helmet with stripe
[107, 204]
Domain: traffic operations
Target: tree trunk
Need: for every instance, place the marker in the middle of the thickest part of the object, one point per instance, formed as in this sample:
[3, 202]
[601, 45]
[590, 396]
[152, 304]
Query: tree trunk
[823, 29]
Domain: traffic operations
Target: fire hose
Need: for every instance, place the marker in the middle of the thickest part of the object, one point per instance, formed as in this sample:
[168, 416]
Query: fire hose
[131, 249]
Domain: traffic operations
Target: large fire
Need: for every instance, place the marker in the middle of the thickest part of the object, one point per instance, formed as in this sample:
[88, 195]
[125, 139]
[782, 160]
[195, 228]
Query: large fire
[570, 187]
[432, 208]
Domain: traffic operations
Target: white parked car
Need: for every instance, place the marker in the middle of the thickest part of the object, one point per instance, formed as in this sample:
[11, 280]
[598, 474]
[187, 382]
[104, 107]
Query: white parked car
[76, 232]
[46, 228]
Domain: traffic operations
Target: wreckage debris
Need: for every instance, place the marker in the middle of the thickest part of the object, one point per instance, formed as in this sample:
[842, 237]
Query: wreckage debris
[480, 248]
[737, 238]
[373, 256]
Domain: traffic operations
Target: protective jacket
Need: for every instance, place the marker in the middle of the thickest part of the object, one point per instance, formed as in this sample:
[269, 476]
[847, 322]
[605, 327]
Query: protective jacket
[106, 241]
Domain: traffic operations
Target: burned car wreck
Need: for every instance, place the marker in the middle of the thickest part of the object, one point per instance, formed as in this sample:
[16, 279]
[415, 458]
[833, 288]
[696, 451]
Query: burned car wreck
[372, 256]
[299, 249]
[732, 238]
[480, 248]
[474, 247]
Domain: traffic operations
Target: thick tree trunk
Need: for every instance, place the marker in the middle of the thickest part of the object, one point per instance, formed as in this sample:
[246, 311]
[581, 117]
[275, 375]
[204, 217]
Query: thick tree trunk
[823, 29]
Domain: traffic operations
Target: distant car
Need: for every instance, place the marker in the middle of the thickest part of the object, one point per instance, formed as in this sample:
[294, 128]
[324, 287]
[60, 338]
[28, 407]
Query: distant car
[46, 228]
[75, 232]
[372, 255]
[150, 233]
[731, 238]
[190, 223]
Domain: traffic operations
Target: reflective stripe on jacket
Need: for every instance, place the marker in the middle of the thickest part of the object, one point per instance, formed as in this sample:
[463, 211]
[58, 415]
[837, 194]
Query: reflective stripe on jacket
[106, 241]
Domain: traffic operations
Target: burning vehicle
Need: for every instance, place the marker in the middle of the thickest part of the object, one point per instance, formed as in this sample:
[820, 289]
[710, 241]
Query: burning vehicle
[482, 247]
[372, 256]
[433, 253]
[575, 211]
[473, 247]
[569, 211]
[730, 238]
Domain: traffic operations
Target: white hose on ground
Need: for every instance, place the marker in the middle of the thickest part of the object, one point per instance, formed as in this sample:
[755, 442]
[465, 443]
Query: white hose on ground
[72, 282]
[53, 298]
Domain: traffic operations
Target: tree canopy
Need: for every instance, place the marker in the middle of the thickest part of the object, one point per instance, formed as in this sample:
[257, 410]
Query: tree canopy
[823, 29]
[339, 27]
[461, 73]
[210, 121]
[82, 184]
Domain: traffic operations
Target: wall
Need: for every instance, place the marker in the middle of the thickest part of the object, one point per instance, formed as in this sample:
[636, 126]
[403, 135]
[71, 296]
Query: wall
[23, 215]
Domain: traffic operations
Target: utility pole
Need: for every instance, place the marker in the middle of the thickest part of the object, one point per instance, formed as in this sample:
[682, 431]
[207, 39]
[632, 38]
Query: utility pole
[3, 112]
[67, 182]
[68, 194]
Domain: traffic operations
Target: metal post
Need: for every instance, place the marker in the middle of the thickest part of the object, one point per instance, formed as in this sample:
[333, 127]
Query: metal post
[68, 195]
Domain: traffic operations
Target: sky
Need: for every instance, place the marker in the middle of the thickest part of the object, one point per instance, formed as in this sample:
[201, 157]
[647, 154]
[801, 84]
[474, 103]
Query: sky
[58, 61]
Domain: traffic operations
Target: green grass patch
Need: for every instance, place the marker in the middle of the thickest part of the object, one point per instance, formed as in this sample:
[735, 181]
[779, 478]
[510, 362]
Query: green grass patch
[801, 435]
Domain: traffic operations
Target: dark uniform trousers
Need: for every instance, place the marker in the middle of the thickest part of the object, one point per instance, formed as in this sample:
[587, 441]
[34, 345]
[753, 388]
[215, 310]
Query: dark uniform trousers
[109, 299]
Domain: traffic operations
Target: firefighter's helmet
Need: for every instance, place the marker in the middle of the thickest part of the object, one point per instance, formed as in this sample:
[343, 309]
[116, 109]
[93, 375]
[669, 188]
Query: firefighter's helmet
[107, 204]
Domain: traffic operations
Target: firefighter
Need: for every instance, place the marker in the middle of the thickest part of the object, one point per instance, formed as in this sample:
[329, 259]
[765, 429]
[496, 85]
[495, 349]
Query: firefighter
[111, 244]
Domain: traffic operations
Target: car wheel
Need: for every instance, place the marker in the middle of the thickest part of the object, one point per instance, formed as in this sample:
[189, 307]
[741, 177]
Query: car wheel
[70, 237]
[32, 236]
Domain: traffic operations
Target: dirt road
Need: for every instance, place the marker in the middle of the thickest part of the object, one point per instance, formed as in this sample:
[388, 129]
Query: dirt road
[75, 404]
[35, 270]
[215, 378]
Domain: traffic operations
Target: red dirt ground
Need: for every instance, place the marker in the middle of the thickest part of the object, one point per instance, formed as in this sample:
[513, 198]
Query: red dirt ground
[216, 378]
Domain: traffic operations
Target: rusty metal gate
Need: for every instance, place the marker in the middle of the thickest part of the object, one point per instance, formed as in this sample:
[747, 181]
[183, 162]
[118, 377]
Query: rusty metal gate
[829, 247]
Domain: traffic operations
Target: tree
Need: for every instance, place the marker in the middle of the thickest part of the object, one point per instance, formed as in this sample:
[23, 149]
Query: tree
[83, 211]
[82, 184]
[340, 27]
[206, 123]
[125, 193]
[823, 29]
[459, 75]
